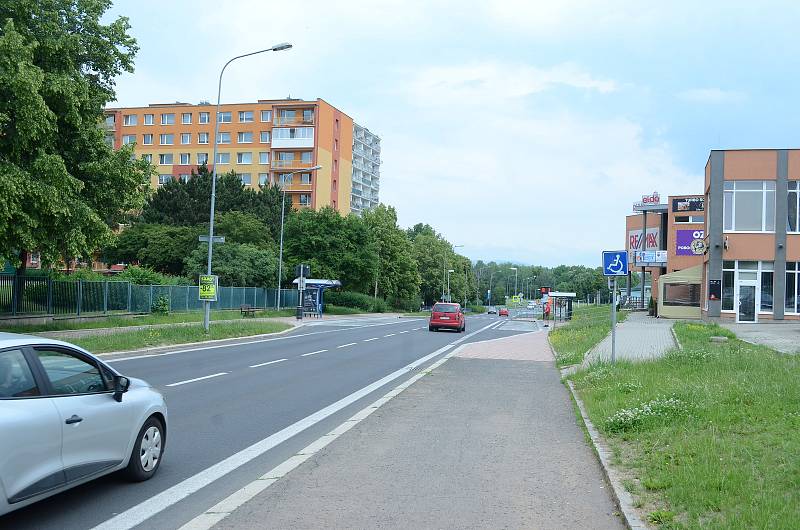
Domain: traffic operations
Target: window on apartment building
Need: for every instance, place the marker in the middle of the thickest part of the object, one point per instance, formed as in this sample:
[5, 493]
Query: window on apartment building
[147, 139]
[333, 203]
[287, 115]
[223, 158]
[305, 157]
[305, 200]
[184, 177]
[148, 119]
[168, 119]
[203, 117]
[793, 211]
[335, 144]
[285, 155]
[202, 138]
[244, 158]
[128, 139]
[286, 178]
[148, 157]
[335, 165]
[263, 157]
[245, 116]
[305, 178]
[244, 137]
[166, 139]
[186, 117]
[285, 133]
[336, 125]
[202, 158]
[185, 158]
[165, 159]
[681, 219]
[308, 116]
[749, 206]
[266, 115]
[792, 304]
[163, 179]
[224, 117]
[186, 138]
[224, 138]
[264, 137]
[130, 119]
[246, 178]
[263, 178]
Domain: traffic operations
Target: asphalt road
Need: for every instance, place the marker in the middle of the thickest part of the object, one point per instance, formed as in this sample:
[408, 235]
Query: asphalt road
[223, 399]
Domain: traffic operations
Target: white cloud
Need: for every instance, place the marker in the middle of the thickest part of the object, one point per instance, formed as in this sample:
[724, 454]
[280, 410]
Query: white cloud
[711, 95]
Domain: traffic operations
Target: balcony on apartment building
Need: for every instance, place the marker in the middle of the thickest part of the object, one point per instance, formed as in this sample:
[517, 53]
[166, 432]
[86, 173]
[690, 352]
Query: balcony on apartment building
[292, 137]
[292, 117]
[294, 163]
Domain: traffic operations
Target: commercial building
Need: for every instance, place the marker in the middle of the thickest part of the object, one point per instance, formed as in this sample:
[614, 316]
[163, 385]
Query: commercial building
[750, 272]
[261, 142]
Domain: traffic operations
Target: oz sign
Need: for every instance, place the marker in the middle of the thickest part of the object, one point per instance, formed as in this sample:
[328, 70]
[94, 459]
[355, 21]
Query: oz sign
[208, 288]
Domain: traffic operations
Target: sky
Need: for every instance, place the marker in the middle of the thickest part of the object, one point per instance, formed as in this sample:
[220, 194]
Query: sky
[522, 130]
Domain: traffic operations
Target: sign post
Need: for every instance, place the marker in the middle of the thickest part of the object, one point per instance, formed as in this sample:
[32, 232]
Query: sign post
[615, 264]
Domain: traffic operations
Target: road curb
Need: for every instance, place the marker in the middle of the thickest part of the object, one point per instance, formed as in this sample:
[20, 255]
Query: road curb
[622, 498]
[675, 337]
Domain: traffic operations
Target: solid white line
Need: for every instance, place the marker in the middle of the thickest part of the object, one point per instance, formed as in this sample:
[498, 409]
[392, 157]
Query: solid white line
[179, 383]
[218, 512]
[270, 362]
[389, 335]
[346, 345]
[373, 338]
[313, 353]
[156, 504]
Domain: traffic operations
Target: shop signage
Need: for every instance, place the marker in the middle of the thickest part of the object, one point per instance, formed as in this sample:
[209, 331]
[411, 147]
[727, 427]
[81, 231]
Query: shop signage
[714, 289]
[650, 258]
[207, 291]
[688, 204]
[648, 200]
[635, 239]
[689, 243]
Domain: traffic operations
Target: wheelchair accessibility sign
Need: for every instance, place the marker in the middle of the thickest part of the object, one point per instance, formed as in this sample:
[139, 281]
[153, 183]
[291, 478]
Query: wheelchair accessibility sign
[615, 263]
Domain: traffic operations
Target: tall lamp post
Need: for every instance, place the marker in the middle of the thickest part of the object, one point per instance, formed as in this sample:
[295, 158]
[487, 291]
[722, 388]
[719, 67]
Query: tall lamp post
[448, 283]
[280, 252]
[444, 272]
[516, 290]
[491, 277]
[278, 47]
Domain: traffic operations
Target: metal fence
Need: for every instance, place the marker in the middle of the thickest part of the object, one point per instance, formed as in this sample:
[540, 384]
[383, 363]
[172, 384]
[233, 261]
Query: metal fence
[43, 296]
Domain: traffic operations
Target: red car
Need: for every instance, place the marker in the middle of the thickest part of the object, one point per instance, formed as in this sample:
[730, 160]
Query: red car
[445, 315]
[503, 312]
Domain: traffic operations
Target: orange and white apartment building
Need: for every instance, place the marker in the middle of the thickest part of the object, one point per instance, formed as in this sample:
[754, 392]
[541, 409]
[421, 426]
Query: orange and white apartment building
[262, 142]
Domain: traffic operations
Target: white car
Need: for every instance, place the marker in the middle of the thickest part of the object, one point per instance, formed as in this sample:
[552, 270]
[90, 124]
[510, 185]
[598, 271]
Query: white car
[67, 418]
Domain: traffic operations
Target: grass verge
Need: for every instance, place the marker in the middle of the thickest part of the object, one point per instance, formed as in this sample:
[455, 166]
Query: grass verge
[341, 310]
[140, 320]
[149, 338]
[708, 436]
[589, 325]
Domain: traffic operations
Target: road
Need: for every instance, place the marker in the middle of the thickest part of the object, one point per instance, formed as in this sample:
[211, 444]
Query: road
[224, 399]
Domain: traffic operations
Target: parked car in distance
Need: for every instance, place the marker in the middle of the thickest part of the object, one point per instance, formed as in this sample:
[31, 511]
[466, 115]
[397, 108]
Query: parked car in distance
[67, 418]
[503, 312]
[447, 315]
[492, 310]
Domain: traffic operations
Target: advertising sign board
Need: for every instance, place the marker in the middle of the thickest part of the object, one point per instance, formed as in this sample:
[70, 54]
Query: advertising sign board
[650, 258]
[207, 291]
[647, 200]
[689, 243]
[688, 204]
[651, 240]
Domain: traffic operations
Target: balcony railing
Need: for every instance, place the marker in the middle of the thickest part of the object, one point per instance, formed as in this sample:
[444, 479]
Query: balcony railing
[290, 164]
[293, 120]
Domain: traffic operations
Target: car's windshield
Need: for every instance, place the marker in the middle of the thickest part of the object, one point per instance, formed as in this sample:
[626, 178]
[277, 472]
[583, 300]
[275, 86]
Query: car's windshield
[445, 308]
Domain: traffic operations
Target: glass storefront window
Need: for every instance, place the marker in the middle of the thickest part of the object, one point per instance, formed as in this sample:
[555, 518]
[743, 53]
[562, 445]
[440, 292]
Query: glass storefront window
[727, 290]
[766, 291]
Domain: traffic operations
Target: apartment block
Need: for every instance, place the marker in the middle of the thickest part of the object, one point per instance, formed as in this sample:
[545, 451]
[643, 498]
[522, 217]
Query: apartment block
[262, 142]
[366, 169]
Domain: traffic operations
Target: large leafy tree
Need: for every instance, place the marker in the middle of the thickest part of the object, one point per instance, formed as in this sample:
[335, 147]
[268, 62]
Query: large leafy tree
[62, 186]
[397, 276]
[163, 248]
[237, 264]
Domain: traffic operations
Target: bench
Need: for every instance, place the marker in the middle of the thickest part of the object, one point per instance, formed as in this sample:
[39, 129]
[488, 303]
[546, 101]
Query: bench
[247, 310]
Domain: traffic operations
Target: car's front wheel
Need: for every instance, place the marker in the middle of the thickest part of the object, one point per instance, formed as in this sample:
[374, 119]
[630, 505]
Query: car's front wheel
[146, 455]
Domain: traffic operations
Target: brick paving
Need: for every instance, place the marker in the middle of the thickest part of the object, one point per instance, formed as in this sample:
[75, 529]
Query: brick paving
[523, 347]
[639, 338]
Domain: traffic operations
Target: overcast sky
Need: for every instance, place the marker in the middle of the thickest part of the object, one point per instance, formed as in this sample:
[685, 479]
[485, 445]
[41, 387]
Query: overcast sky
[523, 130]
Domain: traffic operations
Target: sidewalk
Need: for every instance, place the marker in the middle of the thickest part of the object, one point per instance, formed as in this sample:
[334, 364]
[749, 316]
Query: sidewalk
[639, 338]
[487, 440]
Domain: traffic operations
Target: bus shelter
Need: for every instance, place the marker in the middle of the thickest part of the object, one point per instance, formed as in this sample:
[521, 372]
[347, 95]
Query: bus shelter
[312, 297]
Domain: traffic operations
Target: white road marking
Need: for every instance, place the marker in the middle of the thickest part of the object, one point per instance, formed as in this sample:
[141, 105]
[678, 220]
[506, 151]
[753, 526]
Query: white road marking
[406, 331]
[346, 345]
[373, 338]
[218, 512]
[179, 383]
[270, 362]
[389, 335]
[313, 353]
[156, 504]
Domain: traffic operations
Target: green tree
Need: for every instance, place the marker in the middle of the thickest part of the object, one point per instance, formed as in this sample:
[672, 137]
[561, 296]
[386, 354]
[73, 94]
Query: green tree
[240, 227]
[236, 264]
[163, 248]
[63, 186]
[397, 275]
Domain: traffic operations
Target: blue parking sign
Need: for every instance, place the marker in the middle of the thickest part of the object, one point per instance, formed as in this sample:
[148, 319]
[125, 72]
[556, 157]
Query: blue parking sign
[615, 263]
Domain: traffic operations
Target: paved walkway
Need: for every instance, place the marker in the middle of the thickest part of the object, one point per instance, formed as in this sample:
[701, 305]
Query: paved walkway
[488, 440]
[783, 336]
[639, 338]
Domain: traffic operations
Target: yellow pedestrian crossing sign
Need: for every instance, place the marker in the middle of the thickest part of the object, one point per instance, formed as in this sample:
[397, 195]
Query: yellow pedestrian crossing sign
[207, 291]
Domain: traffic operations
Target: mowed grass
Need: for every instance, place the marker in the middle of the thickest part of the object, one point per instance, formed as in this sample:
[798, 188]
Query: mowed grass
[149, 338]
[589, 325]
[139, 320]
[709, 436]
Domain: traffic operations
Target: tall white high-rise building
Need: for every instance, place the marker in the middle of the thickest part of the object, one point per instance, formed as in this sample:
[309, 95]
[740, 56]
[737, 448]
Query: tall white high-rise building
[366, 169]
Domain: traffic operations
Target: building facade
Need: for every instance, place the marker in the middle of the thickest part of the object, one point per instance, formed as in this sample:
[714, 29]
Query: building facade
[261, 142]
[753, 237]
[366, 169]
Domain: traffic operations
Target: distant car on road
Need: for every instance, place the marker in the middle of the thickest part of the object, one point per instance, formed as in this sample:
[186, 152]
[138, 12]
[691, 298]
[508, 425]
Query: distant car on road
[503, 312]
[67, 418]
[446, 315]
[492, 310]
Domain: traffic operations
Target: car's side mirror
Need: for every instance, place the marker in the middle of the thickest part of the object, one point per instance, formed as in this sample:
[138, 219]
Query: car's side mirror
[121, 385]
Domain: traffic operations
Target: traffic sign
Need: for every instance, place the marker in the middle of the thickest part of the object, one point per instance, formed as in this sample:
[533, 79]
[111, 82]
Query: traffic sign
[217, 239]
[207, 291]
[615, 263]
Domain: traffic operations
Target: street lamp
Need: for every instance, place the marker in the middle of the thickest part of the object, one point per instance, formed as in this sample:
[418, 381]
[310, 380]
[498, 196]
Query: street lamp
[448, 283]
[444, 269]
[515, 279]
[280, 252]
[278, 47]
